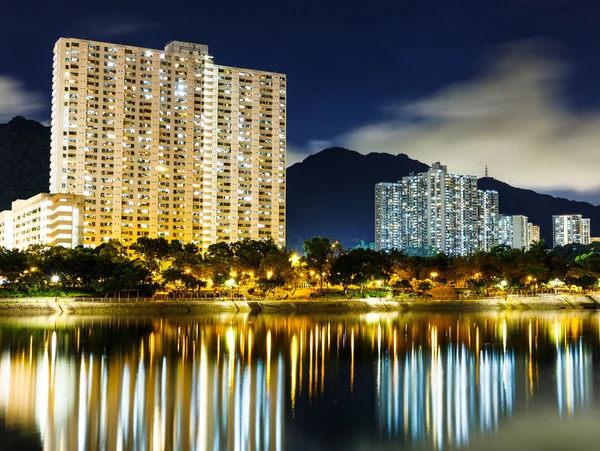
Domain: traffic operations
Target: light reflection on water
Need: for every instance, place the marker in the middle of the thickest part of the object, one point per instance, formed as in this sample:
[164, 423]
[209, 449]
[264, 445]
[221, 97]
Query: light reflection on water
[433, 381]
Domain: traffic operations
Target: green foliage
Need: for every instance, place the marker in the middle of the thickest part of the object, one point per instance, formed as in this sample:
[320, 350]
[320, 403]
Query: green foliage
[319, 253]
[424, 285]
[261, 266]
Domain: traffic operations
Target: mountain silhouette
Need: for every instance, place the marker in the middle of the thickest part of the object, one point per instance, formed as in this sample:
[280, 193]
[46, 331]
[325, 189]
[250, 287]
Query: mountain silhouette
[539, 208]
[332, 193]
[25, 157]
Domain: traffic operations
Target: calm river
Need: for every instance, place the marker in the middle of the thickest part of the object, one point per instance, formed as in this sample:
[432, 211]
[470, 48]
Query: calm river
[492, 381]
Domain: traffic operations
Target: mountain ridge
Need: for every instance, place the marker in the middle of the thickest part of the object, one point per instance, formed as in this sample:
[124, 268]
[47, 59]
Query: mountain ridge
[381, 167]
[25, 157]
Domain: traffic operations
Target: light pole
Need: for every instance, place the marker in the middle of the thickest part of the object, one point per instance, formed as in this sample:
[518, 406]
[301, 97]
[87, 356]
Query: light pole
[433, 276]
[503, 285]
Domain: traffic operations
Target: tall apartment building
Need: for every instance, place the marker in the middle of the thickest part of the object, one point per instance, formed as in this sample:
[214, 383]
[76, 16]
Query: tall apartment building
[488, 221]
[567, 229]
[166, 143]
[513, 231]
[387, 216]
[436, 212]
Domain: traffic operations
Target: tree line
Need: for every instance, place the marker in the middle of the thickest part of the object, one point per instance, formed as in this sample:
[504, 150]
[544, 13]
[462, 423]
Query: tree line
[262, 268]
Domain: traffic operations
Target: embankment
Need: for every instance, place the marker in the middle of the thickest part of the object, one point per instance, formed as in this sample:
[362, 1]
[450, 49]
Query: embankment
[72, 306]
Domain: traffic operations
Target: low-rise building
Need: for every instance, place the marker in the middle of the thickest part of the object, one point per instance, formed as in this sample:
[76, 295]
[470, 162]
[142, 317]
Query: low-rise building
[44, 219]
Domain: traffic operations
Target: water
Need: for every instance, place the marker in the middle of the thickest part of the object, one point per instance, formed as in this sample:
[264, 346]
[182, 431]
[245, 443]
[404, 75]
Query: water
[495, 381]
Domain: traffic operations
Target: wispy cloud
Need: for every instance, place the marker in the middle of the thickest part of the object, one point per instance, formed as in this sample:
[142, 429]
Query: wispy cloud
[15, 100]
[296, 154]
[111, 25]
[511, 117]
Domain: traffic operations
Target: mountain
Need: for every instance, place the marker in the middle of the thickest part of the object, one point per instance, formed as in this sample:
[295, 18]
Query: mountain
[25, 160]
[539, 208]
[332, 194]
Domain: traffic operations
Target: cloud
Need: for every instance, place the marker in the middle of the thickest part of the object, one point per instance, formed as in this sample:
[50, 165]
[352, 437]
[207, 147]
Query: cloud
[295, 154]
[15, 100]
[511, 118]
[111, 25]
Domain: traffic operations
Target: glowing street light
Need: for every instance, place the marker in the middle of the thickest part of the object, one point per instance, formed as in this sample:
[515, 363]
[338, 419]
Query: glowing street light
[294, 259]
[55, 278]
[433, 276]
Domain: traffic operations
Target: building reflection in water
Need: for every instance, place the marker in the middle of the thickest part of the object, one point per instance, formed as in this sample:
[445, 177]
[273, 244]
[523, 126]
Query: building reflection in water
[573, 371]
[235, 382]
[146, 399]
[442, 394]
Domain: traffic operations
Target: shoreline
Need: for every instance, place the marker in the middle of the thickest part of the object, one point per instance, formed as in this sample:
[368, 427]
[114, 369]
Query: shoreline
[72, 306]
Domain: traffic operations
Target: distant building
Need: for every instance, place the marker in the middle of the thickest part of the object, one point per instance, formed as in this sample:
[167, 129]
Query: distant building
[513, 231]
[6, 229]
[428, 213]
[439, 212]
[567, 229]
[519, 232]
[534, 233]
[44, 219]
[387, 216]
[595, 239]
[435, 211]
[488, 220]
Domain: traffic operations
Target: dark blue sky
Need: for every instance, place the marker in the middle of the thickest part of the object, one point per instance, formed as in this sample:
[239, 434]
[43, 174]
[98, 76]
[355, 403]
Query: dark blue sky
[347, 62]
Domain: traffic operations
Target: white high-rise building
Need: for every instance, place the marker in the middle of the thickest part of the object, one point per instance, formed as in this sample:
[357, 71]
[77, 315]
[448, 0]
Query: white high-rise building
[387, 216]
[166, 143]
[489, 218]
[567, 229]
[439, 212]
[514, 231]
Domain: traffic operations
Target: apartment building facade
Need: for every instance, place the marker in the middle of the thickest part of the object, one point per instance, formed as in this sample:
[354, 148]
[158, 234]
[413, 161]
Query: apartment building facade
[387, 216]
[567, 229]
[166, 143]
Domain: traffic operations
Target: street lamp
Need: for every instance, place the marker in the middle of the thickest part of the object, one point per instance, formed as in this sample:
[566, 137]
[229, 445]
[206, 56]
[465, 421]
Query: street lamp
[433, 276]
[294, 259]
[503, 285]
[55, 278]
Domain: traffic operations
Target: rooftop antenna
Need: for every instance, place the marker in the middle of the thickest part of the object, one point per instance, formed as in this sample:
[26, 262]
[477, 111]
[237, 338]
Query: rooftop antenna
[486, 171]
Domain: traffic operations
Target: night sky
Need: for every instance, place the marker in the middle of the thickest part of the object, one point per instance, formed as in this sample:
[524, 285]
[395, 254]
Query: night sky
[510, 84]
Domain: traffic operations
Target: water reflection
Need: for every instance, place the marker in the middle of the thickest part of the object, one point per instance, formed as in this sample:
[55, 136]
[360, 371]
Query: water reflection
[280, 382]
[442, 394]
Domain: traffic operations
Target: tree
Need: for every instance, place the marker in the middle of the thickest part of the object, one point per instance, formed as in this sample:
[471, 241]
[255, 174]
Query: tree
[152, 251]
[218, 259]
[319, 253]
[358, 267]
[12, 264]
